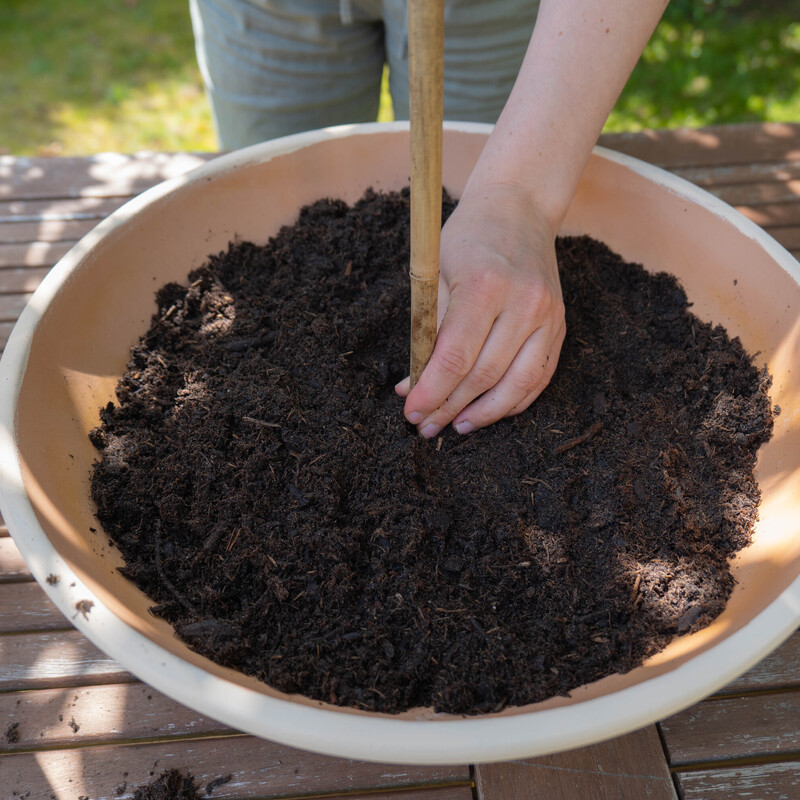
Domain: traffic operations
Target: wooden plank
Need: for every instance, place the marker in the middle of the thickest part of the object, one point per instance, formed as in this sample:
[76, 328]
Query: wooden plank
[631, 767]
[789, 237]
[5, 332]
[772, 214]
[258, 769]
[86, 715]
[53, 660]
[728, 174]
[752, 782]
[45, 230]
[12, 565]
[740, 727]
[715, 145]
[779, 670]
[102, 175]
[430, 793]
[751, 194]
[38, 254]
[11, 305]
[24, 607]
[21, 279]
[58, 208]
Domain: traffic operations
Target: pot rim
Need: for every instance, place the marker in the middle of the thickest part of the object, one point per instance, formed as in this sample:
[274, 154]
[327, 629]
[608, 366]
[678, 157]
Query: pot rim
[372, 737]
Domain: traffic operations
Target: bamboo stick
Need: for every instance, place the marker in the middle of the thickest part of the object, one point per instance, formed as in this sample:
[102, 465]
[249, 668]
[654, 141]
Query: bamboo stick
[426, 75]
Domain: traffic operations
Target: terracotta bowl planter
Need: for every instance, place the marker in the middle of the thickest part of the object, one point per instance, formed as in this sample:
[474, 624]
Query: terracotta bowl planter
[72, 343]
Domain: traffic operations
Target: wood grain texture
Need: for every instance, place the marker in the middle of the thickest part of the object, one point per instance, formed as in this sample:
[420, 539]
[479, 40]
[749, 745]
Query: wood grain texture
[87, 715]
[752, 782]
[736, 727]
[11, 305]
[102, 175]
[779, 670]
[37, 254]
[258, 769]
[711, 146]
[24, 607]
[788, 236]
[12, 565]
[58, 208]
[45, 230]
[726, 174]
[21, 279]
[5, 332]
[772, 214]
[631, 767]
[760, 193]
[54, 659]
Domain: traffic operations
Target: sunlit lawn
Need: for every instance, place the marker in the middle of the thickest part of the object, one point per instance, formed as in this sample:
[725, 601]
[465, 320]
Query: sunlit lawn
[92, 75]
[745, 68]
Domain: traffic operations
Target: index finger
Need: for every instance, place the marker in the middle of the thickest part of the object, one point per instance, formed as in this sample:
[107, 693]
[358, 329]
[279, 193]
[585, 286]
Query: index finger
[462, 334]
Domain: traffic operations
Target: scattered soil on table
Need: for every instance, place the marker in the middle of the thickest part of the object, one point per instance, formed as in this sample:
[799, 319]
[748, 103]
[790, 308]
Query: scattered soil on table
[12, 733]
[170, 785]
[264, 489]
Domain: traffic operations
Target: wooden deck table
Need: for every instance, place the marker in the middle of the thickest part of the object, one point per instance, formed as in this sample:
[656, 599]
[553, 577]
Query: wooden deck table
[74, 724]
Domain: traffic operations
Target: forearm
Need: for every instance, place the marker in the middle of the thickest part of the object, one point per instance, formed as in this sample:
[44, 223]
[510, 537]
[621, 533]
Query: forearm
[579, 58]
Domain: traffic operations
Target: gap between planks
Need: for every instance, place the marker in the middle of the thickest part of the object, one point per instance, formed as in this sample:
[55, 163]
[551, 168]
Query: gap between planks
[790, 757]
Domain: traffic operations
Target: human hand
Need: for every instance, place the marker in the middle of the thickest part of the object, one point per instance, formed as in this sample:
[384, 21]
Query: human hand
[500, 310]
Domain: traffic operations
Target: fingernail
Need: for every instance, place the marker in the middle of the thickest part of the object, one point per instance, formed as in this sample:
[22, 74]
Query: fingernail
[430, 430]
[465, 426]
[415, 417]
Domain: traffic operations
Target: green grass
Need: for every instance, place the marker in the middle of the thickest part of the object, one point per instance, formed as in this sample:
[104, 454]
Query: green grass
[90, 75]
[715, 65]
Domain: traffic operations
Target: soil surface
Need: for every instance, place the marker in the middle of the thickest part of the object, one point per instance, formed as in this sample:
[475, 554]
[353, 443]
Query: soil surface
[266, 492]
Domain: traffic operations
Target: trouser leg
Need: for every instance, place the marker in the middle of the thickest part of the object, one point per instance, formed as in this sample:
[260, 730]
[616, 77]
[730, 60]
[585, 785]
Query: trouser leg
[485, 42]
[275, 67]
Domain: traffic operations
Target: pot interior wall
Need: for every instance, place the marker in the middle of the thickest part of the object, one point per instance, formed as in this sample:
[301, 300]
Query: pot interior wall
[82, 343]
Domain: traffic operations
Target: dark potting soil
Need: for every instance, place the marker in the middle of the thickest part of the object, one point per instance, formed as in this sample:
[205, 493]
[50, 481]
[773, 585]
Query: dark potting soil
[172, 784]
[266, 492]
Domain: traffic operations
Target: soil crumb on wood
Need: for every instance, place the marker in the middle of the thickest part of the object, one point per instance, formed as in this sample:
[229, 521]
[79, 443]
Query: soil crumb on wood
[170, 785]
[12, 733]
[261, 482]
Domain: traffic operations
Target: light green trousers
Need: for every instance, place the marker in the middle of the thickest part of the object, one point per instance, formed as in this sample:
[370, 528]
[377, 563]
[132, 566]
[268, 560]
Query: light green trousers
[275, 67]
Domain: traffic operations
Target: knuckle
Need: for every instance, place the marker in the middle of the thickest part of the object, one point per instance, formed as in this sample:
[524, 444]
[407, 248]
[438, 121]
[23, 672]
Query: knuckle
[484, 376]
[525, 379]
[483, 286]
[490, 282]
[454, 362]
[538, 300]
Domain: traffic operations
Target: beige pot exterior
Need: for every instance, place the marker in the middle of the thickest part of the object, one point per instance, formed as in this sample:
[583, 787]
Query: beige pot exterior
[73, 340]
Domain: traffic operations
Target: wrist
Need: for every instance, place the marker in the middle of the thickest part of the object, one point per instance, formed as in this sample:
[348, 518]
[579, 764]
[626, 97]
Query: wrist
[510, 197]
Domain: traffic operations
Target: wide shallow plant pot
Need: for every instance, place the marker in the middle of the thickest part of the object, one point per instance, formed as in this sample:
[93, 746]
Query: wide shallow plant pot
[73, 340]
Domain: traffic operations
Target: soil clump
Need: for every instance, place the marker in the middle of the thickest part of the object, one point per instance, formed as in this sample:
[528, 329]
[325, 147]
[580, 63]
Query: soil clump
[265, 491]
[172, 784]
